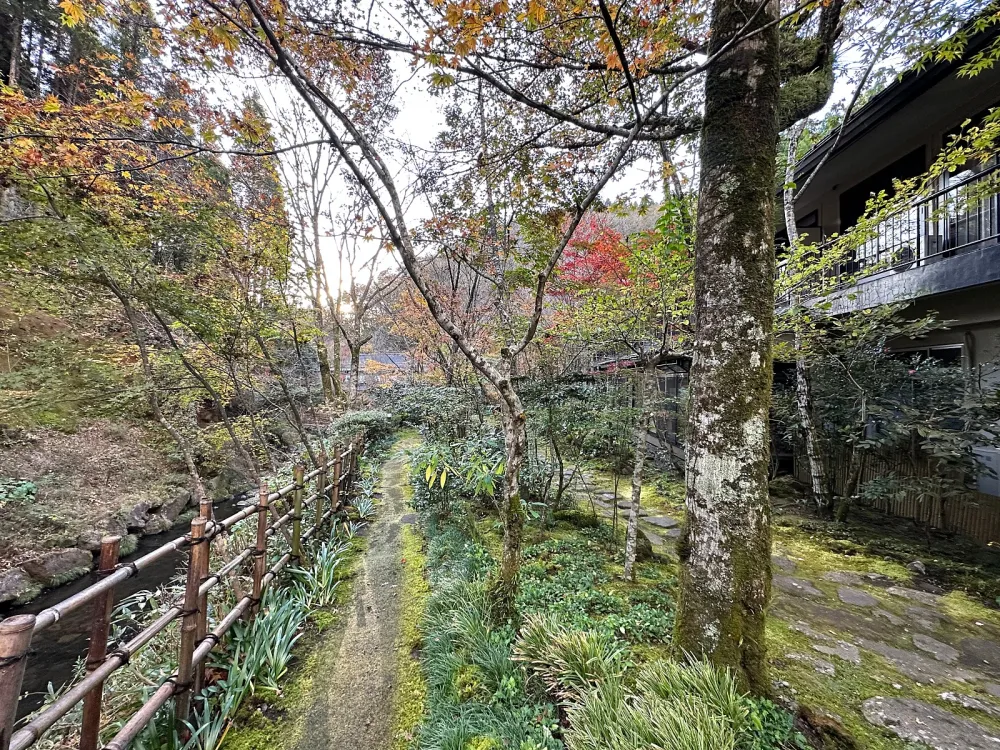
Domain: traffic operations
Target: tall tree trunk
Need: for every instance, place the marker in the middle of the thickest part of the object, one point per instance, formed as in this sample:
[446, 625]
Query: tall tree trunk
[726, 541]
[355, 376]
[322, 356]
[503, 589]
[642, 406]
[16, 23]
[821, 491]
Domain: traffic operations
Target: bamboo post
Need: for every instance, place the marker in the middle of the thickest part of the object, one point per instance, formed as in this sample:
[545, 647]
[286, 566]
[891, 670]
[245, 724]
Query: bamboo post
[260, 549]
[15, 637]
[98, 650]
[320, 491]
[204, 511]
[338, 458]
[298, 473]
[189, 624]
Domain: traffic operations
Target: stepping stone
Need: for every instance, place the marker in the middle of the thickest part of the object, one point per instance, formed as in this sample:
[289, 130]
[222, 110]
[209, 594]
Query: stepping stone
[625, 505]
[409, 518]
[981, 654]
[973, 704]
[915, 666]
[655, 539]
[806, 630]
[783, 563]
[672, 533]
[664, 522]
[820, 665]
[856, 597]
[608, 496]
[992, 688]
[797, 586]
[923, 597]
[928, 619]
[878, 579]
[887, 615]
[842, 650]
[916, 721]
[940, 651]
[843, 576]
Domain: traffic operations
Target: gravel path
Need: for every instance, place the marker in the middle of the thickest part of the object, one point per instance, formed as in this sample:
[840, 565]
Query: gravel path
[352, 689]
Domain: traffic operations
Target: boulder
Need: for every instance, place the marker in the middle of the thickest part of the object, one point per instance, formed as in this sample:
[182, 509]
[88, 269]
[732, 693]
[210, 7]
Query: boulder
[226, 483]
[157, 523]
[137, 518]
[917, 567]
[17, 586]
[61, 566]
[90, 540]
[643, 546]
[916, 721]
[176, 505]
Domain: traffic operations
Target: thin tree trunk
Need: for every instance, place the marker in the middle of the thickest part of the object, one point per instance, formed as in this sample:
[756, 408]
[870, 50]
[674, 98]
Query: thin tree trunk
[503, 589]
[17, 21]
[197, 487]
[642, 405]
[322, 356]
[296, 416]
[725, 545]
[353, 386]
[821, 491]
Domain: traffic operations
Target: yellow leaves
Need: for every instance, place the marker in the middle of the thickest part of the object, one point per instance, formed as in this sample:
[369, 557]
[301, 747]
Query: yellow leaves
[72, 13]
[223, 37]
[51, 104]
[535, 12]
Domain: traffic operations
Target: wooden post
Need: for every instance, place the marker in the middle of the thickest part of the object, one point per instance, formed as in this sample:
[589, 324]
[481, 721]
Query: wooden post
[260, 549]
[189, 624]
[15, 637]
[320, 491]
[98, 650]
[297, 476]
[337, 463]
[205, 510]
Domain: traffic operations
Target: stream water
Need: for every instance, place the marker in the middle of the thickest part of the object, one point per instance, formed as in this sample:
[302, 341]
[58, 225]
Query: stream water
[55, 652]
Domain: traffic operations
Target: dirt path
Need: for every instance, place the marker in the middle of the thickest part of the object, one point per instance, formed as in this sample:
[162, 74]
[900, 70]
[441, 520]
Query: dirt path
[352, 689]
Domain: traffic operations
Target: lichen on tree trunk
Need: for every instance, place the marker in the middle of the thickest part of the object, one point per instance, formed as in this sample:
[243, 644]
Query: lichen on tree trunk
[642, 403]
[725, 545]
[503, 589]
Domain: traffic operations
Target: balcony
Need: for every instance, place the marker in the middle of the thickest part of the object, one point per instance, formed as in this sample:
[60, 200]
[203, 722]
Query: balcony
[947, 241]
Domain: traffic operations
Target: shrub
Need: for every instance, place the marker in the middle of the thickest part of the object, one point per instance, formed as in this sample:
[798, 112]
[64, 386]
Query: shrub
[374, 423]
[569, 662]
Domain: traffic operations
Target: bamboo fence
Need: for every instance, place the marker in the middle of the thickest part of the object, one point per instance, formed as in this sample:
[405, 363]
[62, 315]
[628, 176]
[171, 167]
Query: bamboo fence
[975, 515]
[196, 642]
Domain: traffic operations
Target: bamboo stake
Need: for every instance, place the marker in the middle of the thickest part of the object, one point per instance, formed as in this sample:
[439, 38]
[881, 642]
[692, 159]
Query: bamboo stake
[298, 473]
[189, 625]
[98, 650]
[205, 510]
[320, 491]
[338, 457]
[260, 550]
[15, 637]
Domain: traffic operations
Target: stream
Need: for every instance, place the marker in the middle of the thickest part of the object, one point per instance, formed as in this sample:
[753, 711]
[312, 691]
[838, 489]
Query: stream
[55, 653]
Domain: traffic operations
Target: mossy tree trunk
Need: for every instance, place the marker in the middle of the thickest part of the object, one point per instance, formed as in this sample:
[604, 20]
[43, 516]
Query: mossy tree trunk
[503, 588]
[726, 543]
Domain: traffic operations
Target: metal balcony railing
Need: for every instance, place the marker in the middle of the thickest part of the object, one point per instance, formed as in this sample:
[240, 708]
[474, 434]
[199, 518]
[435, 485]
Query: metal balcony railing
[961, 217]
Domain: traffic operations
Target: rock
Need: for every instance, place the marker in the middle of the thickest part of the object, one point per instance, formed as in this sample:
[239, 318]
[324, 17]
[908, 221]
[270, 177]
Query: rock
[643, 546]
[797, 586]
[90, 540]
[940, 651]
[992, 688]
[923, 597]
[981, 654]
[157, 523]
[783, 563]
[842, 650]
[664, 522]
[917, 567]
[17, 586]
[915, 666]
[137, 517]
[55, 568]
[916, 721]
[409, 518]
[807, 630]
[879, 579]
[887, 615]
[655, 539]
[624, 505]
[226, 483]
[856, 597]
[176, 505]
[973, 704]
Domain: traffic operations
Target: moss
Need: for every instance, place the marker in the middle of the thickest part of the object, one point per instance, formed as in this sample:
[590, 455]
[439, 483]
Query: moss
[966, 610]
[68, 575]
[410, 693]
[129, 544]
[482, 742]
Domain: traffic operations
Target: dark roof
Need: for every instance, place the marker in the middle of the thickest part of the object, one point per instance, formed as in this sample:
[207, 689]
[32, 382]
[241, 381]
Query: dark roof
[892, 98]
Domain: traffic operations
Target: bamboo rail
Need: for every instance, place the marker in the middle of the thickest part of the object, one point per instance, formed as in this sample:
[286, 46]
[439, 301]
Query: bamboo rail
[16, 633]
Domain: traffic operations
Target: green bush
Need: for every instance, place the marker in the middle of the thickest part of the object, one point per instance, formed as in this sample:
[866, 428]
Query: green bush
[374, 423]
